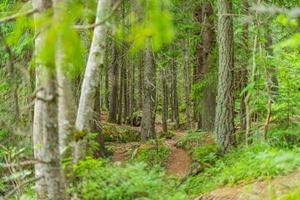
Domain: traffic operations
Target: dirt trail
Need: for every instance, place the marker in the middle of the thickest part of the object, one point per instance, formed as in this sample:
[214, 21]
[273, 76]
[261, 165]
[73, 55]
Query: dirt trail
[263, 190]
[179, 162]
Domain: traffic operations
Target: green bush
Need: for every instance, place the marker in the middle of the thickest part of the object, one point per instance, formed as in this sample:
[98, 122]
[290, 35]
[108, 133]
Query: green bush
[206, 153]
[190, 140]
[98, 179]
[293, 195]
[246, 163]
[285, 137]
[152, 154]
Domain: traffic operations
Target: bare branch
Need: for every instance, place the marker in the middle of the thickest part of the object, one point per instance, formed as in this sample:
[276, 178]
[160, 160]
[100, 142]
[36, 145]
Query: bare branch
[10, 193]
[17, 15]
[91, 26]
[22, 164]
[274, 10]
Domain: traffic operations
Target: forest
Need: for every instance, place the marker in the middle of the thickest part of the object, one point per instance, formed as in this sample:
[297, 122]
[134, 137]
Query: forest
[149, 99]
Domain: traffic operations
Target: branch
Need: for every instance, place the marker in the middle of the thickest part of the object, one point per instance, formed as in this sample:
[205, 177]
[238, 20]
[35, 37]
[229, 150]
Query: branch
[21, 164]
[10, 193]
[17, 15]
[274, 10]
[91, 26]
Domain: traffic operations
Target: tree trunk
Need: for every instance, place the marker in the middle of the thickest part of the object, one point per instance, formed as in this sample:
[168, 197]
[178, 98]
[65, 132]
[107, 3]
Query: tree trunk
[38, 135]
[165, 101]
[148, 119]
[65, 97]
[224, 123]
[187, 89]
[141, 81]
[198, 68]
[209, 96]
[114, 78]
[91, 79]
[244, 70]
[53, 170]
[175, 95]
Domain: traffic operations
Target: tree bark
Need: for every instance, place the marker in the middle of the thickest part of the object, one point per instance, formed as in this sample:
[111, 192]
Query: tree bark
[91, 80]
[53, 170]
[187, 89]
[175, 95]
[38, 135]
[114, 78]
[66, 105]
[148, 119]
[165, 101]
[208, 41]
[224, 123]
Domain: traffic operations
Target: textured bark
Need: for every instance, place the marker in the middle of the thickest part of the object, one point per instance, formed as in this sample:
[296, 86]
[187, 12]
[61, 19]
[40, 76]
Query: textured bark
[224, 123]
[187, 89]
[208, 40]
[165, 101]
[53, 170]
[102, 152]
[175, 95]
[198, 68]
[148, 119]
[121, 92]
[91, 79]
[141, 81]
[66, 106]
[38, 135]
[114, 78]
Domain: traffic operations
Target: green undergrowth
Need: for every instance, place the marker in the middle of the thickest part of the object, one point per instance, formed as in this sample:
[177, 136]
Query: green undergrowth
[114, 133]
[100, 179]
[293, 195]
[190, 140]
[152, 153]
[241, 164]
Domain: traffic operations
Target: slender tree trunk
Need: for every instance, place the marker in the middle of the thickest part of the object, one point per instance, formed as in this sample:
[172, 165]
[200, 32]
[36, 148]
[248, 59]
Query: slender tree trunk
[38, 135]
[132, 91]
[114, 77]
[91, 79]
[102, 152]
[141, 81]
[148, 119]
[198, 69]
[165, 101]
[244, 69]
[121, 92]
[187, 88]
[53, 170]
[65, 97]
[106, 87]
[208, 40]
[175, 95]
[224, 123]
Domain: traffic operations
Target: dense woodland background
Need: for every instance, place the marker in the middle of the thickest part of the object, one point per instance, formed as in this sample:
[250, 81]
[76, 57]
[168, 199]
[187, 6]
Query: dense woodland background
[149, 99]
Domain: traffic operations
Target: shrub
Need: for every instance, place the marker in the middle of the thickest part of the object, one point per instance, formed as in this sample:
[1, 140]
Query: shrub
[245, 163]
[98, 179]
[152, 154]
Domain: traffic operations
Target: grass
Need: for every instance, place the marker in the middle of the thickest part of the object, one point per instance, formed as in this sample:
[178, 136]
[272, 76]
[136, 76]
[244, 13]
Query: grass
[243, 164]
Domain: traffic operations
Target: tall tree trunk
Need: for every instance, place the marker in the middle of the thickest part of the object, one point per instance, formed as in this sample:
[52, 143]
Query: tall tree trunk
[224, 123]
[38, 135]
[114, 78]
[148, 119]
[208, 40]
[165, 101]
[91, 80]
[187, 89]
[141, 80]
[65, 97]
[102, 152]
[132, 91]
[175, 95]
[106, 79]
[121, 92]
[198, 69]
[244, 70]
[53, 170]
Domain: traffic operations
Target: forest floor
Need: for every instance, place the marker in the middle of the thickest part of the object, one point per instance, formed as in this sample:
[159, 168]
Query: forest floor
[179, 164]
[260, 189]
[179, 161]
